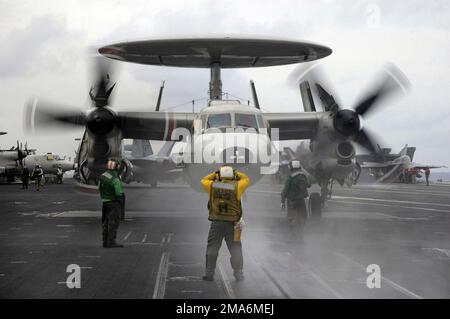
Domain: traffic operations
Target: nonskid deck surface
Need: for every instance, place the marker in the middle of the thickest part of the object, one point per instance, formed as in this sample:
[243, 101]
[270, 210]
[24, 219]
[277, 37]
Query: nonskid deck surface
[401, 228]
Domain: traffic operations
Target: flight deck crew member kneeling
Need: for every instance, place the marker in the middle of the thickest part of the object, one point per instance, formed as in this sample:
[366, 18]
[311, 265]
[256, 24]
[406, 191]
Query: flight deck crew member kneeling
[110, 188]
[225, 188]
[295, 191]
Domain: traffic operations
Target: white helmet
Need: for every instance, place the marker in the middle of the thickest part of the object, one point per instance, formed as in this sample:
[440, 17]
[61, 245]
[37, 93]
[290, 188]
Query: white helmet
[295, 165]
[226, 172]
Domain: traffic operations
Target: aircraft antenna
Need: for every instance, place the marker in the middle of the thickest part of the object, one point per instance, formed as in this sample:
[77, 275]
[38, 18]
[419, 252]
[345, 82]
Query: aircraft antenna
[158, 103]
[255, 96]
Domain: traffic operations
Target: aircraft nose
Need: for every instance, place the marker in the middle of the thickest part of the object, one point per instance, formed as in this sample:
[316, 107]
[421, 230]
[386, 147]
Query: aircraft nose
[237, 155]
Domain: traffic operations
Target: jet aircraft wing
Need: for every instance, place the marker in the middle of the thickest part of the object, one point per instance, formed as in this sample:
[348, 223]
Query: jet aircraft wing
[376, 165]
[423, 166]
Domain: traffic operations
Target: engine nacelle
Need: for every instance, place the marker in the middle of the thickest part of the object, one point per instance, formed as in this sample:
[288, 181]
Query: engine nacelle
[345, 152]
[101, 121]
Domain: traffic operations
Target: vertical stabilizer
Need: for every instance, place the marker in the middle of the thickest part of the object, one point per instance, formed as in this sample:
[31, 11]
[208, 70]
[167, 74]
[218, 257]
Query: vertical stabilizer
[141, 148]
[307, 99]
[166, 149]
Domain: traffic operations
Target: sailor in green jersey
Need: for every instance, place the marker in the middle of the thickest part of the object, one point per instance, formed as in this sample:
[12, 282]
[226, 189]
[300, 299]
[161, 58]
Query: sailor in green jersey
[294, 192]
[110, 188]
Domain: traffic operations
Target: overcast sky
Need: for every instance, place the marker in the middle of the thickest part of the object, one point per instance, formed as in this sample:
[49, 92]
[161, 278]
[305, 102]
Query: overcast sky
[45, 47]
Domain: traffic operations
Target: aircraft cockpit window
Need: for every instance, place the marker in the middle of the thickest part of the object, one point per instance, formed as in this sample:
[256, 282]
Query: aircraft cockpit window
[203, 121]
[260, 121]
[245, 120]
[219, 120]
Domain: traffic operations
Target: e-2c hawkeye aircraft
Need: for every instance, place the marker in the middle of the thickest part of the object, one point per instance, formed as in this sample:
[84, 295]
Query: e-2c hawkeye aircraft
[49, 163]
[226, 131]
[12, 161]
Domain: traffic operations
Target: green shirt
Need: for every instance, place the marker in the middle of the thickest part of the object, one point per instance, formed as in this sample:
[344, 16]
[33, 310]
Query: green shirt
[295, 187]
[110, 186]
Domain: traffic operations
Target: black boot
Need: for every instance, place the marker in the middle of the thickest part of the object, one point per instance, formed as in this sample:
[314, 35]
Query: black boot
[208, 277]
[211, 261]
[239, 275]
[112, 245]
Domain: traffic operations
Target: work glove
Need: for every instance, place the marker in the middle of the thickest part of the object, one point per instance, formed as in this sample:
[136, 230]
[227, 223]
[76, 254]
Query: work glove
[241, 223]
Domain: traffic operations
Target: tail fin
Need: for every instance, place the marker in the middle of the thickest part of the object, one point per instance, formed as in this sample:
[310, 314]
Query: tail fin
[410, 152]
[404, 150]
[290, 153]
[166, 149]
[141, 148]
[307, 99]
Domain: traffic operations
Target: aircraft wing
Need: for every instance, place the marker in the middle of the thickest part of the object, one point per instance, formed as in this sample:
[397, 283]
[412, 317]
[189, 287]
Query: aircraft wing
[294, 126]
[375, 165]
[423, 166]
[153, 125]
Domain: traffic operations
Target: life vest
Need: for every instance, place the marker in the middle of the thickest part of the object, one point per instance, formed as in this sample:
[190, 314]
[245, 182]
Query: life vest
[298, 187]
[223, 203]
[106, 186]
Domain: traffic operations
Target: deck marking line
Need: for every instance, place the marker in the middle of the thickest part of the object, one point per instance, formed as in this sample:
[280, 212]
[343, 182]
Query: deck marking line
[394, 285]
[161, 278]
[225, 282]
[317, 277]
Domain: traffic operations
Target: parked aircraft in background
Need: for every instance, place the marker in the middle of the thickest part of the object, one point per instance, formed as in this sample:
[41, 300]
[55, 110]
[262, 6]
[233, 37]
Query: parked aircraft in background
[384, 166]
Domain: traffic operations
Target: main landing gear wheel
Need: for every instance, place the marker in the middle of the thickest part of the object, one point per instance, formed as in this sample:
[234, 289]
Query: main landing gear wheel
[315, 207]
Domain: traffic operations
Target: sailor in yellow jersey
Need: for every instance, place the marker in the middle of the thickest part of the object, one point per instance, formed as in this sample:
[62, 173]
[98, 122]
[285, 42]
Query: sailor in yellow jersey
[225, 189]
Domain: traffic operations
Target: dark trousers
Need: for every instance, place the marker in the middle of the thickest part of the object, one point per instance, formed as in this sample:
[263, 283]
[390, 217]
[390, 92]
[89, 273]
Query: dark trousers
[122, 207]
[38, 182]
[24, 183]
[110, 218]
[427, 177]
[297, 215]
[217, 232]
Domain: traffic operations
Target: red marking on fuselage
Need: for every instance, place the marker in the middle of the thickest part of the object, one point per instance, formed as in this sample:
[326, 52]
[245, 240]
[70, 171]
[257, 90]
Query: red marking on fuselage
[171, 127]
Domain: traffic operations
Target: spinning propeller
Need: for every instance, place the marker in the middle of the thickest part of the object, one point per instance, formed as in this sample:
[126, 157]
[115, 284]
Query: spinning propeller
[100, 120]
[347, 121]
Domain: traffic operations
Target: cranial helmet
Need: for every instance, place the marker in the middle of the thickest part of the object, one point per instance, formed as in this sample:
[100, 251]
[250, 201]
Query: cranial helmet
[226, 172]
[295, 165]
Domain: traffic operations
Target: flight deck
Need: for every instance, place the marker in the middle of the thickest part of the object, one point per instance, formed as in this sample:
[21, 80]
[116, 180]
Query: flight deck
[401, 228]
